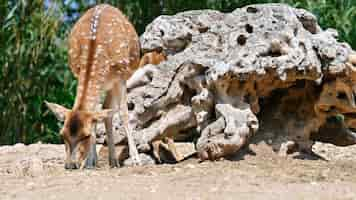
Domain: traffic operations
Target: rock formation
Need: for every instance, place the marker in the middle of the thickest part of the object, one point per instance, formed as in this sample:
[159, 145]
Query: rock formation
[261, 73]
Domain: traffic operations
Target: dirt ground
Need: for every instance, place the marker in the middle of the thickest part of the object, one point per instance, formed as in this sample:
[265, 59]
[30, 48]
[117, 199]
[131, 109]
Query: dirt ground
[260, 174]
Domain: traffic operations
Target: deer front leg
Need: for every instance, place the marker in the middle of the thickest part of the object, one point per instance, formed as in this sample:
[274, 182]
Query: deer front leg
[124, 115]
[92, 158]
[84, 153]
[108, 103]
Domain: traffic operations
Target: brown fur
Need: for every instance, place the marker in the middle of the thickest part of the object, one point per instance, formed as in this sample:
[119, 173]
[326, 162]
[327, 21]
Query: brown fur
[152, 58]
[75, 124]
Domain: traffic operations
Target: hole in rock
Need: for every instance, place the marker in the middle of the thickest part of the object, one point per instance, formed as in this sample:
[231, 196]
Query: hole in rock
[203, 29]
[162, 33]
[130, 106]
[251, 10]
[241, 40]
[249, 28]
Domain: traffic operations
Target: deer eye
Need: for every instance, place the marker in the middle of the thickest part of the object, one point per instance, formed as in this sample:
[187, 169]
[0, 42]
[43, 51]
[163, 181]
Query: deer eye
[341, 95]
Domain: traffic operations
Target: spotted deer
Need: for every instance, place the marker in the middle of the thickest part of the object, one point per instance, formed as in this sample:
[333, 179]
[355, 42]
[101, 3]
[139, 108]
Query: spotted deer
[103, 53]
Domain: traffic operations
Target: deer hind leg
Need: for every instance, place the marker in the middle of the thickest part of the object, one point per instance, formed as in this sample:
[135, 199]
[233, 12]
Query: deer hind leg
[124, 115]
[108, 104]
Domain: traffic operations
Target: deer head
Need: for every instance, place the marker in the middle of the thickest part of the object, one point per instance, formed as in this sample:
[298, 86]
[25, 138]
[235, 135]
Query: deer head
[77, 132]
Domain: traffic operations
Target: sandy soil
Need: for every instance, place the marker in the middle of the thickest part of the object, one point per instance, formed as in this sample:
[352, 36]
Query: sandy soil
[260, 174]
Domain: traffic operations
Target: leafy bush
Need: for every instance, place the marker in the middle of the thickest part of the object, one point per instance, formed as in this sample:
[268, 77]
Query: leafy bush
[33, 68]
[337, 14]
[33, 52]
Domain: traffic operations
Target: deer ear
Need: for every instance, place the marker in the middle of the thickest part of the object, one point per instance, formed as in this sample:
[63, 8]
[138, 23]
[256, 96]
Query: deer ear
[58, 110]
[101, 115]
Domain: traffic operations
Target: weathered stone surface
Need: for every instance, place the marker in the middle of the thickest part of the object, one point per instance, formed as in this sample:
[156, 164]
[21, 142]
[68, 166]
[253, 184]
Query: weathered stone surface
[30, 160]
[166, 153]
[186, 149]
[177, 119]
[228, 134]
[31, 166]
[264, 72]
[122, 153]
[145, 160]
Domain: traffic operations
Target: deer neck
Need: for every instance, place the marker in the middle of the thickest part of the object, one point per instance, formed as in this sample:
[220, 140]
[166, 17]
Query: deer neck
[88, 92]
[91, 79]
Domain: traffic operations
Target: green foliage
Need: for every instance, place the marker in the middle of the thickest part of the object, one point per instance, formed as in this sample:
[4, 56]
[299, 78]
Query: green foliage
[33, 52]
[337, 14]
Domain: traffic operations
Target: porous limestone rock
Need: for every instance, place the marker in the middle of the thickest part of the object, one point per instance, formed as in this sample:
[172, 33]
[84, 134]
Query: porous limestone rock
[262, 72]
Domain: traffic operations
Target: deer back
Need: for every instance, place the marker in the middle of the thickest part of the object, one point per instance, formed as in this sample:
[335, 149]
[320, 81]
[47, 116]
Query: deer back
[103, 42]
